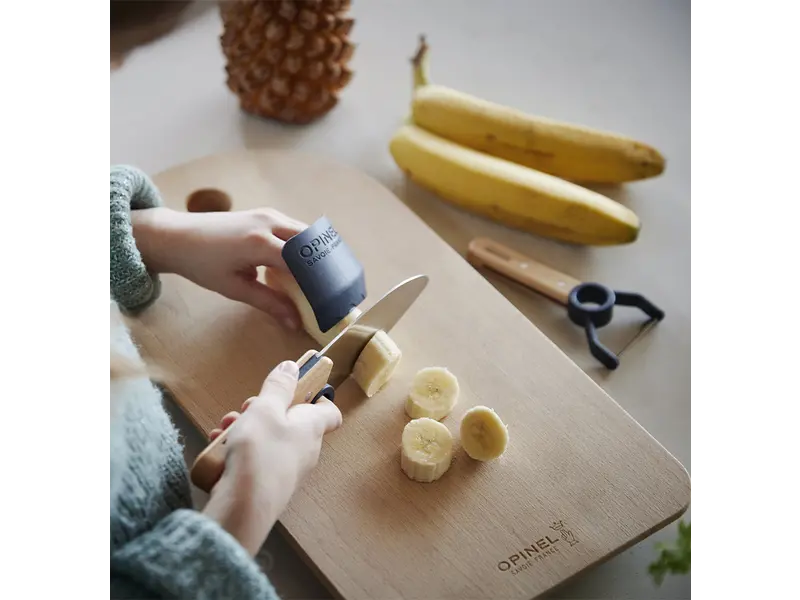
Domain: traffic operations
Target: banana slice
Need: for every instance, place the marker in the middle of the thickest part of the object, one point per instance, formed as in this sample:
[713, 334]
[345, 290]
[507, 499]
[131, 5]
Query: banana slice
[483, 435]
[434, 393]
[379, 359]
[426, 450]
[377, 363]
[284, 282]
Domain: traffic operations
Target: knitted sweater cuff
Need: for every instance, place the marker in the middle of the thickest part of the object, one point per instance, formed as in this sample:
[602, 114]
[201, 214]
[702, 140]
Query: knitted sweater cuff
[188, 555]
[133, 287]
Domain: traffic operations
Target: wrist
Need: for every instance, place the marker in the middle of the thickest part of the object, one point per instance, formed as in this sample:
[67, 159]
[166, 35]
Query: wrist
[242, 511]
[158, 233]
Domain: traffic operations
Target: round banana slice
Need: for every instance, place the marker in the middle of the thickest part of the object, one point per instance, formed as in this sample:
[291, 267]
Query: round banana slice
[483, 435]
[434, 393]
[426, 450]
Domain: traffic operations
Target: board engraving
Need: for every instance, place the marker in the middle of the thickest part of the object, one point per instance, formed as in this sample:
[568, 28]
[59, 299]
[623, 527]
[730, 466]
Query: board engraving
[539, 550]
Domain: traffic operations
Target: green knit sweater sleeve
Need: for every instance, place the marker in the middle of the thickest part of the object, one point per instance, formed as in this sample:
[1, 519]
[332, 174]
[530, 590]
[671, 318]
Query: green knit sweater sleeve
[133, 287]
[187, 555]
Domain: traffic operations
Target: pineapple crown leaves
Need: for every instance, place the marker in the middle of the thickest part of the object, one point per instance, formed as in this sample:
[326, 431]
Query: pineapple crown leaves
[676, 558]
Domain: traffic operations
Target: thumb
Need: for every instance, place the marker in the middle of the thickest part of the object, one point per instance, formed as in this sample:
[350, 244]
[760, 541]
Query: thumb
[274, 303]
[280, 385]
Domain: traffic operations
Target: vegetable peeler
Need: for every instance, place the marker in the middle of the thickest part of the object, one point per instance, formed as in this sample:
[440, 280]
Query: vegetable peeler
[333, 282]
[589, 305]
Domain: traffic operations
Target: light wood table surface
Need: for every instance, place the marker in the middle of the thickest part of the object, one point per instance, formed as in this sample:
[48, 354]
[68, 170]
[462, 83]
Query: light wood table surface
[622, 65]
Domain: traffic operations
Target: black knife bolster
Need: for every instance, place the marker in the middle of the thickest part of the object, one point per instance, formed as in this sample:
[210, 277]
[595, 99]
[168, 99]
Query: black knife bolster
[327, 391]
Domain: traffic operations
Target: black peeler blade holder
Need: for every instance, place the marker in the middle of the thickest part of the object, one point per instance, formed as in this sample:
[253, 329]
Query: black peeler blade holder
[327, 271]
[589, 305]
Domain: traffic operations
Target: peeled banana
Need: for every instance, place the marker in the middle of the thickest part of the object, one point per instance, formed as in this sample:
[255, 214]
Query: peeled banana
[426, 450]
[511, 194]
[484, 436]
[573, 152]
[284, 282]
[434, 393]
[377, 363]
[378, 360]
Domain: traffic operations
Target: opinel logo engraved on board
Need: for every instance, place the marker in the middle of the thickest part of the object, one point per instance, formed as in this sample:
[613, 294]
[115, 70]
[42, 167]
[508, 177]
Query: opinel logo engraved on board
[320, 247]
[539, 550]
[566, 534]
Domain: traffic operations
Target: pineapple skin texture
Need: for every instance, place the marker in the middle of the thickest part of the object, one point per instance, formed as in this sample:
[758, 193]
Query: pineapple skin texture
[287, 60]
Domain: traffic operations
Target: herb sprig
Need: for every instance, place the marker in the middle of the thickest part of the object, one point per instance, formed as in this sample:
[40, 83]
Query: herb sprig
[674, 559]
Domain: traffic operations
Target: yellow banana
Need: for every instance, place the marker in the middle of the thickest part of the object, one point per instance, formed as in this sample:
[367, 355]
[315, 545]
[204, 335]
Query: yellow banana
[573, 152]
[511, 194]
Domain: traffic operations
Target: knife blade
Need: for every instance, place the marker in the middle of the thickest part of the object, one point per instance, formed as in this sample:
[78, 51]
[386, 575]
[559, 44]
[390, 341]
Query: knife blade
[321, 371]
[345, 348]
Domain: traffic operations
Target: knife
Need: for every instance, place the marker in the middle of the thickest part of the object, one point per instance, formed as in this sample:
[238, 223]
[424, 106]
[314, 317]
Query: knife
[324, 370]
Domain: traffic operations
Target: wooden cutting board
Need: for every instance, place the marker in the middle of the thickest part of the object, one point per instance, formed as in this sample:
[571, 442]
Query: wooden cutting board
[580, 481]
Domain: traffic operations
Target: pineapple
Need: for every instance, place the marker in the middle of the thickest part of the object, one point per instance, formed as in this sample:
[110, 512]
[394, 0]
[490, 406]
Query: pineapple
[287, 59]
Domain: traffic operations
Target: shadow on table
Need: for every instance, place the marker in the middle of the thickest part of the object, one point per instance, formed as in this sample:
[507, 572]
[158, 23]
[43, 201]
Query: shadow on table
[618, 193]
[136, 23]
[268, 134]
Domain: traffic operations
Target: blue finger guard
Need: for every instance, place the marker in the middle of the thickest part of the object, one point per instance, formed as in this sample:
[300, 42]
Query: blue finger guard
[327, 272]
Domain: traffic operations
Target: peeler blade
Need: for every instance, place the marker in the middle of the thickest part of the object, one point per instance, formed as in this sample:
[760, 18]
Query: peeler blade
[643, 330]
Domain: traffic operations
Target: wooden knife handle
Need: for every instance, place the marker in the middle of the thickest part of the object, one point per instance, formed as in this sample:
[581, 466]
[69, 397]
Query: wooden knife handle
[484, 252]
[210, 463]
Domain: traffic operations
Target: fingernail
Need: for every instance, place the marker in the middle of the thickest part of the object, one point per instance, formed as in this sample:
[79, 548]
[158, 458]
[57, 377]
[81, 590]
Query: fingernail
[289, 367]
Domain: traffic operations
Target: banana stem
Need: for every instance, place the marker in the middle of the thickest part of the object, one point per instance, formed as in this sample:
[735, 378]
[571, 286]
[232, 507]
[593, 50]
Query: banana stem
[420, 63]
[420, 71]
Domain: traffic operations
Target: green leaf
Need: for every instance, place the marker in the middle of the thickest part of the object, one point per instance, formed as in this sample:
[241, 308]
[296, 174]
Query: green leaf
[674, 559]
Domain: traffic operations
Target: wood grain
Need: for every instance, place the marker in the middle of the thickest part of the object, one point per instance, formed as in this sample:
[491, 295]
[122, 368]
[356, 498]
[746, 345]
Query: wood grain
[484, 252]
[580, 480]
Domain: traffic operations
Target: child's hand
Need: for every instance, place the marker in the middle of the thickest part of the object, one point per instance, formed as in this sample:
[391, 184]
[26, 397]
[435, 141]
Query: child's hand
[220, 251]
[270, 451]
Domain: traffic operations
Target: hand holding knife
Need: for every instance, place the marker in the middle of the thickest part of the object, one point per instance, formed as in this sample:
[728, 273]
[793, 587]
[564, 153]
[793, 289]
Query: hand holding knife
[324, 370]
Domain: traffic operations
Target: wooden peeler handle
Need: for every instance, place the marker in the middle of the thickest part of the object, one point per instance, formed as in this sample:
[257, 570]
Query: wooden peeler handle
[483, 252]
[210, 463]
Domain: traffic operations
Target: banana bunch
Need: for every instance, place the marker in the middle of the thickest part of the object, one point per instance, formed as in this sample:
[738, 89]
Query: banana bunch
[517, 169]
[426, 445]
